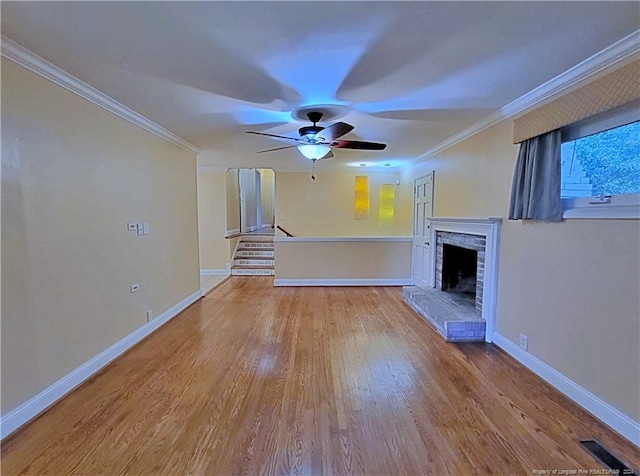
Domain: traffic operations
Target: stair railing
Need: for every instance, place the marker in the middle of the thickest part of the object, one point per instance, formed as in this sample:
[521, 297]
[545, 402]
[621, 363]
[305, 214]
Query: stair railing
[289, 235]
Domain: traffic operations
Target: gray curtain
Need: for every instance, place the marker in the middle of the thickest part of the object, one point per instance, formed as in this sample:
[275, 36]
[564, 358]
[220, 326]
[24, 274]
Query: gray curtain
[535, 192]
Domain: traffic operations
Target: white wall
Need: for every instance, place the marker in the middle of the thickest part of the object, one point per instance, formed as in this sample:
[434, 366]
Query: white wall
[298, 259]
[73, 175]
[212, 220]
[571, 287]
[232, 185]
[248, 208]
[267, 189]
[326, 207]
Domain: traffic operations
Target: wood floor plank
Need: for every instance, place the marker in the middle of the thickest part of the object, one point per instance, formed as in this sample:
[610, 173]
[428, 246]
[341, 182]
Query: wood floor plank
[260, 380]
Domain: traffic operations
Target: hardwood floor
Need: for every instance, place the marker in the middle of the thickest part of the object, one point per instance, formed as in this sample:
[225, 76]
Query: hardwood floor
[262, 380]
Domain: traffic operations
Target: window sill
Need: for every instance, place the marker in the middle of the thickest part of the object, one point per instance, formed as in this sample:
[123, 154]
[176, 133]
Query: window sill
[621, 208]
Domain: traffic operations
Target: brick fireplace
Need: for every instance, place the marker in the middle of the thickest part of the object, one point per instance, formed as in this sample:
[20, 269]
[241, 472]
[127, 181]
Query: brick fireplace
[460, 257]
[464, 240]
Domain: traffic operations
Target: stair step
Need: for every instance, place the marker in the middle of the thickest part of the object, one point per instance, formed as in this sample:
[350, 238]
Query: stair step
[253, 262]
[264, 249]
[244, 266]
[253, 245]
[254, 256]
[252, 253]
[252, 271]
[257, 238]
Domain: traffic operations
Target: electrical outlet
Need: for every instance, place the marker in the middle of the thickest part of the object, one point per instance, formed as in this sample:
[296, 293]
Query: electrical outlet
[524, 342]
[149, 315]
[134, 288]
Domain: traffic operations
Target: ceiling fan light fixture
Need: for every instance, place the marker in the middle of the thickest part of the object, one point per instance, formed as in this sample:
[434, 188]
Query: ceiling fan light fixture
[314, 151]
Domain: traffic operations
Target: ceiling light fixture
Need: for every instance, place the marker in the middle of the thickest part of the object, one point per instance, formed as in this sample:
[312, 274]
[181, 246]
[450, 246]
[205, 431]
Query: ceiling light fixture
[314, 151]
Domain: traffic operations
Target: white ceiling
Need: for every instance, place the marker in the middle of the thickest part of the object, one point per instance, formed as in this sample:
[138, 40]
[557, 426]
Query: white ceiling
[410, 74]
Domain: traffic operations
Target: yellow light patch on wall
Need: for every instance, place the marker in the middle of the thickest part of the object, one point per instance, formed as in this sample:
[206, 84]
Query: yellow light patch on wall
[362, 197]
[386, 204]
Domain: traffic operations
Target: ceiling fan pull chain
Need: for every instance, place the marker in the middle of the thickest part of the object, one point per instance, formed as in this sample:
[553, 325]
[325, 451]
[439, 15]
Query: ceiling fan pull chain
[313, 169]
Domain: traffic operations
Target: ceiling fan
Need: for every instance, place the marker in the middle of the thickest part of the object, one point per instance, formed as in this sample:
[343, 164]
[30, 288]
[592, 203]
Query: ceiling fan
[315, 142]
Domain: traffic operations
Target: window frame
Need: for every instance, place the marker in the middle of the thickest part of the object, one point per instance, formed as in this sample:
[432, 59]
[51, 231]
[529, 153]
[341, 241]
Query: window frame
[622, 206]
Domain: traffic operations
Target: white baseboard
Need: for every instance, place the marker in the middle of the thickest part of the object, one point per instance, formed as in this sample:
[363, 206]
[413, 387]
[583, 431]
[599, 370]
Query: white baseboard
[216, 272]
[343, 239]
[37, 404]
[344, 282]
[609, 415]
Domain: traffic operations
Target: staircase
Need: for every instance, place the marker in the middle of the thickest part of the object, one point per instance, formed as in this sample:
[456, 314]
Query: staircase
[254, 256]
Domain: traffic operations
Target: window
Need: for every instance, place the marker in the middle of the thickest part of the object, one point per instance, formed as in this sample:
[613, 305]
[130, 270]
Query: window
[601, 166]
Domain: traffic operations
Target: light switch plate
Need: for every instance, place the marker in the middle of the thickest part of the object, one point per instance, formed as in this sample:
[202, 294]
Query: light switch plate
[134, 288]
[145, 228]
[140, 227]
[131, 226]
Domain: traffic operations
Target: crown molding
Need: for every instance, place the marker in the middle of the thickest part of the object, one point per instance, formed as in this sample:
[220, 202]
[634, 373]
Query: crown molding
[40, 66]
[617, 54]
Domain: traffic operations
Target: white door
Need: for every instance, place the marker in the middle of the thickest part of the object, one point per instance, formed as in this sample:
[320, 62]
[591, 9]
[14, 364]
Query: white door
[259, 199]
[243, 187]
[422, 212]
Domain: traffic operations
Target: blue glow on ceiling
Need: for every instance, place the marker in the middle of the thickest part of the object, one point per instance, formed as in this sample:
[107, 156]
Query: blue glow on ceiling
[316, 67]
[252, 116]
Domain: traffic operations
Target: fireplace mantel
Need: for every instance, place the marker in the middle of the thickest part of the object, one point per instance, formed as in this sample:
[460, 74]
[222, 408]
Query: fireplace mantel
[489, 228]
[466, 222]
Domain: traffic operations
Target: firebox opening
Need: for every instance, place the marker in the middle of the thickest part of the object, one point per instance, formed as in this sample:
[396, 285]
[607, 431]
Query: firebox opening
[459, 270]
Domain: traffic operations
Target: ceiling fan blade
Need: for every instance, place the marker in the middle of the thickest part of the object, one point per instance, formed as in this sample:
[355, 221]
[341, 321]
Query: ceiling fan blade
[273, 135]
[357, 144]
[277, 148]
[328, 156]
[334, 131]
